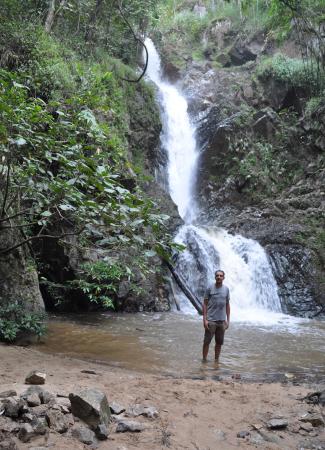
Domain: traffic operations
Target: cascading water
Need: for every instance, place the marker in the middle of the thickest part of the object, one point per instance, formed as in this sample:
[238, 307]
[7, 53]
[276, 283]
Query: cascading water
[248, 274]
[177, 139]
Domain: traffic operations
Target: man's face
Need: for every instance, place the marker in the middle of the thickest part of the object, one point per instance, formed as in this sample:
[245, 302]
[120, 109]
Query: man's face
[219, 278]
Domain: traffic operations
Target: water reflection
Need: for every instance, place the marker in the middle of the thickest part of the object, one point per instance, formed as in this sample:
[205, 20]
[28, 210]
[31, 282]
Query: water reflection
[171, 344]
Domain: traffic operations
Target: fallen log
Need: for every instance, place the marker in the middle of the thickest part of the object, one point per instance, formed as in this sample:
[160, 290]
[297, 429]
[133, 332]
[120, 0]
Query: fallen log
[181, 283]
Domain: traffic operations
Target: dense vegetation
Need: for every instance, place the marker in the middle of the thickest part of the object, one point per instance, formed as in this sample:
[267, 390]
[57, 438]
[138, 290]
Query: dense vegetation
[66, 173]
[185, 27]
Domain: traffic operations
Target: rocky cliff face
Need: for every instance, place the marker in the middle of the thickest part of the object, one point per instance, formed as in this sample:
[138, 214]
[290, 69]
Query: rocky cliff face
[18, 276]
[261, 171]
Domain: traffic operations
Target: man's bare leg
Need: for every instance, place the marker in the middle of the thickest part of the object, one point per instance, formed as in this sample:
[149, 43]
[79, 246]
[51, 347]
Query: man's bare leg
[205, 352]
[217, 352]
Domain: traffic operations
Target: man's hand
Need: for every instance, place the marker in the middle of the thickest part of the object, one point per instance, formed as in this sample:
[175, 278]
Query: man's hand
[226, 325]
[206, 324]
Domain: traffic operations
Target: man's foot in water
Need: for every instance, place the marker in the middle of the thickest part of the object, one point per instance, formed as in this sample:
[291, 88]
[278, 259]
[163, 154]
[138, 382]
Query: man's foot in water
[204, 361]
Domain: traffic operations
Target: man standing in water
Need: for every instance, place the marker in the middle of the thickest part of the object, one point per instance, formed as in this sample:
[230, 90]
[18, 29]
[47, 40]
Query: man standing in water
[216, 314]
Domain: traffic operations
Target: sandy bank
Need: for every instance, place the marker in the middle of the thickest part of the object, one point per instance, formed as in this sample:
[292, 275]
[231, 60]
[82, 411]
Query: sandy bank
[193, 414]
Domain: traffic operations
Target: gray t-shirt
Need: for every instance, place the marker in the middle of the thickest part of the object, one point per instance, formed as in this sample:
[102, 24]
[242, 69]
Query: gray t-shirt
[217, 298]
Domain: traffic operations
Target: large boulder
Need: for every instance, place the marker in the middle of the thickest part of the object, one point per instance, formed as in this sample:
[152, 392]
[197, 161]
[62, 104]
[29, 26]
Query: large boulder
[91, 406]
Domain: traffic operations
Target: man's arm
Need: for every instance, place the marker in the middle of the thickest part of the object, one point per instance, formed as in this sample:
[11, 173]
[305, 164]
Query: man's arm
[205, 310]
[228, 315]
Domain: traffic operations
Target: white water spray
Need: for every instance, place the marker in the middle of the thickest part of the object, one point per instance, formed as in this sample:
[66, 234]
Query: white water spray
[253, 288]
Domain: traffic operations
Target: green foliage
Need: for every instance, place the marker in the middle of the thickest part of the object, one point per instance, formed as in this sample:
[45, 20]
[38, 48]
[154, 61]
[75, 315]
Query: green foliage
[260, 167]
[63, 161]
[88, 24]
[67, 159]
[313, 104]
[15, 319]
[291, 71]
[99, 281]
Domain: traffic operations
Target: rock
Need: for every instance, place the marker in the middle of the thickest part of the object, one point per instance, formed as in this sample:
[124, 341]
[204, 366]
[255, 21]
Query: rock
[8, 425]
[269, 437]
[256, 438]
[241, 54]
[32, 390]
[13, 407]
[322, 398]
[243, 434]
[64, 405]
[26, 432]
[236, 376]
[129, 425]
[116, 408]
[171, 72]
[277, 424]
[315, 419]
[102, 432]
[141, 410]
[35, 377]
[316, 398]
[10, 393]
[224, 59]
[84, 435]
[39, 425]
[306, 426]
[220, 435]
[91, 406]
[57, 421]
[40, 411]
[265, 123]
[27, 417]
[294, 427]
[123, 289]
[47, 397]
[65, 409]
[7, 444]
[33, 400]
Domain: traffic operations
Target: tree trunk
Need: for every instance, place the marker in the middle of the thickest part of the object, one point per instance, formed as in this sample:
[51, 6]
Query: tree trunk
[92, 21]
[181, 283]
[50, 16]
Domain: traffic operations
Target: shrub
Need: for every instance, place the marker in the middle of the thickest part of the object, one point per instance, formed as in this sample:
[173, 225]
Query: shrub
[99, 281]
[292, 71]
[15, 319]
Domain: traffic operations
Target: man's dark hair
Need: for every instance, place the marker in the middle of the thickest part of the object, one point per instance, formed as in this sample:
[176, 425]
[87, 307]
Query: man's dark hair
[222, 271]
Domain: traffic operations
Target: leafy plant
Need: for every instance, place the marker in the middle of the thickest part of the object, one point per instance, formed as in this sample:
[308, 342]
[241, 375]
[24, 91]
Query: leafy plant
[15, 319]
[291, 71]
[99, 281]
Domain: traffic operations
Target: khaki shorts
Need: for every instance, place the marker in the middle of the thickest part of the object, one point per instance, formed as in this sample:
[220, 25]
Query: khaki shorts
[216, 329]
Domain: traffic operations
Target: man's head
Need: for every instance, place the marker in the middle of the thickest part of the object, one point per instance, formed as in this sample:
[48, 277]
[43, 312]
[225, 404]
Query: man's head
[219, 276]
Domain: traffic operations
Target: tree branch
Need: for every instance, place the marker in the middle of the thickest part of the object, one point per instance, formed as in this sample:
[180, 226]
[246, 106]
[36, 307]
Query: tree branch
[32, 238]
[10, 227]
[138, 40]
[20, 213]
[6, 191]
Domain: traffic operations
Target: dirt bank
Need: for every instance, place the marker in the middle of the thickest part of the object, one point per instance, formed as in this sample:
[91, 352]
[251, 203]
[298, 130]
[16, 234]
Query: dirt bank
[193, 414]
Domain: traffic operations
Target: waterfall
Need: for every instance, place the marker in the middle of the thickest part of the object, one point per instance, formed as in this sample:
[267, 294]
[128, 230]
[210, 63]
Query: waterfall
[177, 139]
[248, 272]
